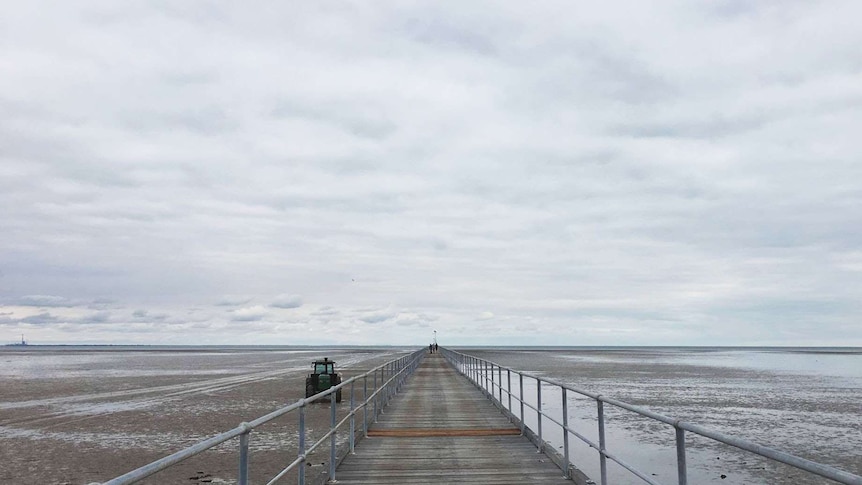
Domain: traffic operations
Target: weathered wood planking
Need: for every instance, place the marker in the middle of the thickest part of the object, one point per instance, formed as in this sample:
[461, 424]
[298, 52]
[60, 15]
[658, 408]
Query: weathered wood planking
[441, 429]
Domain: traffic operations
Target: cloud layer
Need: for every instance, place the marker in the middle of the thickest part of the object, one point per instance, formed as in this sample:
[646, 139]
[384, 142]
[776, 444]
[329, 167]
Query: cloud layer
[686, 173]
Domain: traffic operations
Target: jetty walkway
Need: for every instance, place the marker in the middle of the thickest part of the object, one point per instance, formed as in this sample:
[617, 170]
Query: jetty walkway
[442, 429]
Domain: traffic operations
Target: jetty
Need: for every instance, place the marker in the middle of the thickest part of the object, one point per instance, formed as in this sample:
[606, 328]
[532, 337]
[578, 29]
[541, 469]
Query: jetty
[441, 428]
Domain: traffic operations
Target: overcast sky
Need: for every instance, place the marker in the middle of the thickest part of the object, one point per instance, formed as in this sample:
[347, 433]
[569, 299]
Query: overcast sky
[528, 173]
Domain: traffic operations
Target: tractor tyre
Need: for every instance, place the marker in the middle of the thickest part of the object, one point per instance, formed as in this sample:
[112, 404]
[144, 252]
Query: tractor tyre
[338, 395]
[309, 390]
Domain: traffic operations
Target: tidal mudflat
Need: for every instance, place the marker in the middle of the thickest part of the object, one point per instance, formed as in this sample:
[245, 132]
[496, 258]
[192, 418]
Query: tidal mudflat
[805, 401]
[83, 415]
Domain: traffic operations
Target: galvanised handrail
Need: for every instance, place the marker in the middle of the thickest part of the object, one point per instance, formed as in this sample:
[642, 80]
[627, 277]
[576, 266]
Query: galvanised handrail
[392, 375]
[481, 373]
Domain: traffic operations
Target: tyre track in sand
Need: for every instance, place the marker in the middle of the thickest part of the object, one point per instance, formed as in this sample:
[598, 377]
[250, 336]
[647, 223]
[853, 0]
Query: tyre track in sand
[48, 419]
[147, 399]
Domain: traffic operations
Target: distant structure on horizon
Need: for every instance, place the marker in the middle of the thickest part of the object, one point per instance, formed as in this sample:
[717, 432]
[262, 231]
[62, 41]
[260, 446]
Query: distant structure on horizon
[22, 343]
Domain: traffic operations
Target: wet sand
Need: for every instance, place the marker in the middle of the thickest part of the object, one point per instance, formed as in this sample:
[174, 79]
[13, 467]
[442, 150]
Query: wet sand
[81, 417]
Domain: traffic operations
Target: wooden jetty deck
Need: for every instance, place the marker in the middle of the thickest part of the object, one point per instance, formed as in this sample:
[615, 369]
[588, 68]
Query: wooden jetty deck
[441, 429]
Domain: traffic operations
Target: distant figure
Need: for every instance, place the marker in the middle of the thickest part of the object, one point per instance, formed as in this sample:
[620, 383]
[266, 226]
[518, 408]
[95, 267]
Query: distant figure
[436, 347]
[430, 348]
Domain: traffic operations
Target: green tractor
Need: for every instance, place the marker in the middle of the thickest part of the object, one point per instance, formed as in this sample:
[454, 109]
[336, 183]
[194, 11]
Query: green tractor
[322, 378]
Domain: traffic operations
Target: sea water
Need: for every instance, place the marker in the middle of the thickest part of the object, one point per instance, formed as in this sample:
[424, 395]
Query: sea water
[804, 401]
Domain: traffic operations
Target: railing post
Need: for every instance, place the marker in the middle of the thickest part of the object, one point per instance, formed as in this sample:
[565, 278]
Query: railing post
[539, 412]
[365, 405]
[500, 381]
[603, 460]
[352, 419]
[521, 400]
[680, 456]
[242, 477]
[565, 434]
[509, 387]
[332, 436]
[493, 393]
[388, 381]
[376, 395]
[301, 451]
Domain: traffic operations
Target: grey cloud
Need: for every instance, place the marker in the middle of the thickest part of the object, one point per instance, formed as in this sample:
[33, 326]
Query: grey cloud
[147, 316]
[204, 120]
[439, 31]
[377, 316]
[417, 320]
[287, 301]
[233, 301]
[45, 301]
[366, 124]
[325, 311]
[249, 314]
[96, 318]
[40, 319]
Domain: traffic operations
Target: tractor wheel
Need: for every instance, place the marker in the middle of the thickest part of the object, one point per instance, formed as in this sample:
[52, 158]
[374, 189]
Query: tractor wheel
[309, 390]
[338, 395]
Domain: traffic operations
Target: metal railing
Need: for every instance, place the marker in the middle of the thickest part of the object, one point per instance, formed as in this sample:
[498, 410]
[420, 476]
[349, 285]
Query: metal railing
[391, 375]
[482, 373]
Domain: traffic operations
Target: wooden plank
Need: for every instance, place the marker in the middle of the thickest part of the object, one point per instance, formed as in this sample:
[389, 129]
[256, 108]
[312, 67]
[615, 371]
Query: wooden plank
[441, 429]
[427, 433]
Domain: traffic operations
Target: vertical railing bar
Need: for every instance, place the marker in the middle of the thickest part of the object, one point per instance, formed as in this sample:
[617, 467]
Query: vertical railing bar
[539, 413]
[365, 405]
[485, 378]
[509, 387]
[474, 370]
[565, 434]
[301, 452]
[376, 395]
[603, 461]
[681, 471]
[521, 400]
[332, 398]
[493, 393]
[242, 476]
[352, 420]
[500, 381]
